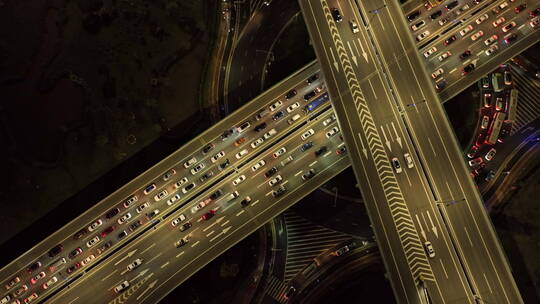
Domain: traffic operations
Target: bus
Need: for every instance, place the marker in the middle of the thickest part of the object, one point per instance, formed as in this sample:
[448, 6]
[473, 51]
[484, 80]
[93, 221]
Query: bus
[316, 102]
[495, 128]
[497, 81]
[512, 105]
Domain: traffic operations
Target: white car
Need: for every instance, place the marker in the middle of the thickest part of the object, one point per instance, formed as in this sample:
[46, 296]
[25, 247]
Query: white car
[179, 183]
[190, 162]
[420, 24]
[485, 122]
[408, 160]
[279, 152]
[241, 153]
[233, 195]
[188, 187]
[429, 249]
[437, 73]
[444, 55]
[293, 119]
[130, 201]
[329, 120]
[276, 105]
[354, 26]
[498, 21]
[134, 265]
[443, 21]
[430, 51]
[482, 18]
[508, 26]
[534, 21]
[491, 39]
[465, 30]
[293, 107]
[491, 153]
[477, 35]
[50, 282]
[240, 179]
[244, 126]
[168, 174]
[121, 287]
[94, 225]
[124, 218]
[161, 195]
[258, 165]
[275, 181]
[92, 242]
[88, 259]
[217, 156]
[422, 36]
[197, 168]
[332, 132]
[307, 134]
[396, 165]
[142, 207]
[270, 134]
[492, 49]
[173, 199]
[178, 220]
[257, 142]
[199, 206]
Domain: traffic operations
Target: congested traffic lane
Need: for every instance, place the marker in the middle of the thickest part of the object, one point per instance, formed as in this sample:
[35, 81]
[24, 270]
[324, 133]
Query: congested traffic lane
[164, 265]
[97, 231]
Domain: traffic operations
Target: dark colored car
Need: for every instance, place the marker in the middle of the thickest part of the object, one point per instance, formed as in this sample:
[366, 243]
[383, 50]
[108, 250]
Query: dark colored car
[208, 215]
[279, 191]
[105, 232]
[224, 164]
[206, 176]
[480, 139]
[208, 148]
[308, 175]
[185, 226]
[278, 115]
[104, 247]
[245, 201]
[306, 146]
[75, 252]
[216, 194]
[56, 250]
[320, 151]
[465, 54]
[435, 15]
[451, 5]
[534, 13]
[312, 79]
[450, 40]
[135, 225]
[270, 172]
[80, 234]
[341, 150]
[112, 213]
[260, 127]
[290, 94]
[226, 134]
[73, 267]
[337, 15]
[510, 38]
[468, 68]
[122, 234]
[520, 8]
[413, 15]
[290, 292]
[309, 95]
[35, 266]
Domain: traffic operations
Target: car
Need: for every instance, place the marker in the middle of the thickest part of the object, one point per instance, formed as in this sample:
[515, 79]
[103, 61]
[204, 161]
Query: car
[73, 267]
[306, 146]
[112, 213]
[161, 195]
[94, 225]
[56, 250]
[507, 78]
[206, 176]
[508, 26]
[490, 175]
[270, 172]
[239, 180]
[275, 105]
[408, 160]
[293, 119]
[88, 259]
[242, 127]
[437, 73]
[178, 220]
[534, 13]
[257, 142]
[233, 195]
[487, 100]
[121, 287]
[422, 36]
[290, 94]
[224, 136]
[332, 132]
[440, 84]
[435, 15]
[336, 15]
[185, 226]
[341, 150]
[278, 115]
[450, 39]
[510, 38]
[420, 24]
[34, 266]
[492, 49]
[535, 21]
[307, 134]
[444, 55]
[5, 299]
[466, 30]
[12, 282]
[75, 252]
[135, 225]
[168, 174]
[308, 175]
[429, 249]
[179, 183]
[485, 122]
[354, 26]
[467, 69]
[181, 242]
[270, 133]
[134, 264]
[173, 199]
[37, 277]
[498, 22]
[341, 251]
[57, 264]
[329, 120]
[312, 78]
[31, 298]
[122, 234]
[49, 282]
[499, 8]
[430, 51]
[396, 165]
[451, 5]
[217, 156]
[476, 162]
[482, 18]
[443, 21]
[245, 201]
[224, 164]
[104, 247]
[216, 194]
[520, 8]
[208, 215]
[132, 199]
[472, 152]
[149, 188]
[142, 207]
[209, 147]
[279, 152]
[465, 55]
[287, 161]
[275, 181]
[500, 105]
[293, 107]
[262, 114]
[321, 151]
[150, 215]
[491, 153]
[260, 127]
[462, 9]
[413, 15]
[108, 230]
[21, 290]
[485, 82]
[477, 35]
[197, 168]
[290, 292]
[279, 191]
[480, 139]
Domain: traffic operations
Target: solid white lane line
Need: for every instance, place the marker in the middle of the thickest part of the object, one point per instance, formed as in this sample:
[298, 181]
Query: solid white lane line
[148, 248]
[108, 276]
[155, 257]
[487, 282]
[443, 268]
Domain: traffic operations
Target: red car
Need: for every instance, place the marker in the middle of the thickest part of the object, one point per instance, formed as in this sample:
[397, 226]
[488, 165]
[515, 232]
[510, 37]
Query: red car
[107, 231]
[208, 215]
[480, 139]
[450, 40]
[534, 13]
[520, 8]
[73, 268]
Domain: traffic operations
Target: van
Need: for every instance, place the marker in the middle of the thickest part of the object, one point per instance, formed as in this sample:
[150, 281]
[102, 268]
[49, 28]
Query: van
[287, 160]
[293, 119]
[57, 264]
[262, 114]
